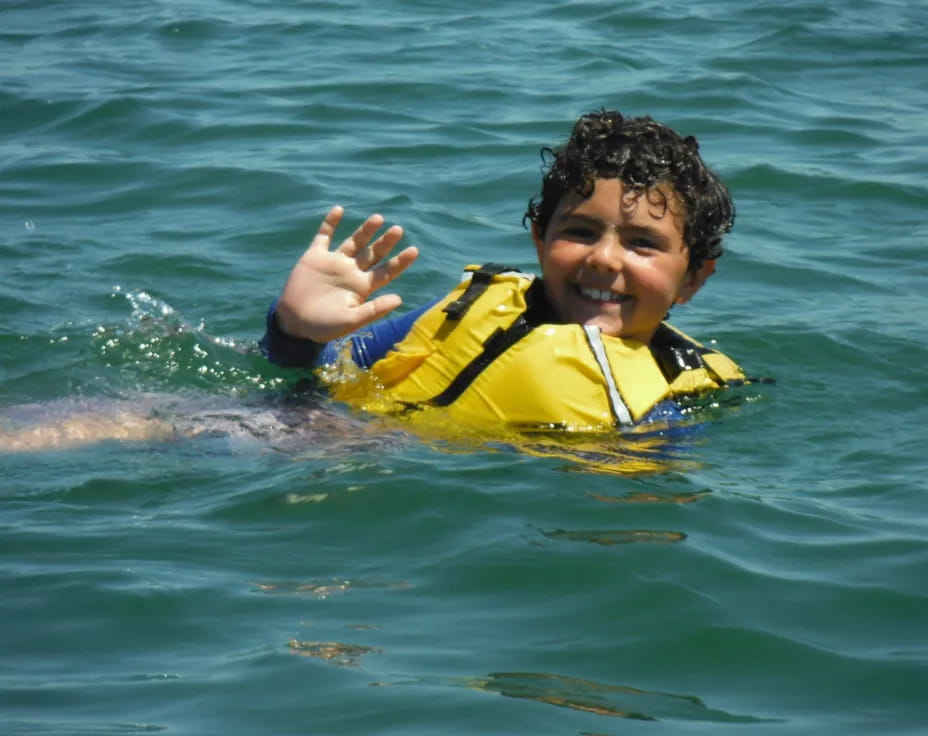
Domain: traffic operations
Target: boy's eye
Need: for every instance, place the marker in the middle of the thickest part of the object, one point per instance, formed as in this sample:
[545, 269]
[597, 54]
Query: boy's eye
[644, 244]
[579, 232]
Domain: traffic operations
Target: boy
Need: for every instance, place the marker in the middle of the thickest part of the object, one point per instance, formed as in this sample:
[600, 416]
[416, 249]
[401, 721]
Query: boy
[629, 222]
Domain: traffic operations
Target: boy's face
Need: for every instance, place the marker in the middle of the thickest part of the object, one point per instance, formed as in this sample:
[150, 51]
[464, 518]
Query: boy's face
[617, 260]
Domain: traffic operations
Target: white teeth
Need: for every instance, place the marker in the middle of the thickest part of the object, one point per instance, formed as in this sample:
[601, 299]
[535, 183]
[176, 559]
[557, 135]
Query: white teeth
[599, 295]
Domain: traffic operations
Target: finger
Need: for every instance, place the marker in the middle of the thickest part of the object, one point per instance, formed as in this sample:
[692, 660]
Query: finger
[389, 270]
[361, 237]
[378, 250]
[323, 237]
[374, 309]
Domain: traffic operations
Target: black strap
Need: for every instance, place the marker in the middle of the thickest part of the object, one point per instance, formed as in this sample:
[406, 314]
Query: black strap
[674, 353]
[495, 345]
[479, 281]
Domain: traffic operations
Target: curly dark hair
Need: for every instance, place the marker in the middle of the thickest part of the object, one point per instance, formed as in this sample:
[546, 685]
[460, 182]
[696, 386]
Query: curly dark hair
[642, 153]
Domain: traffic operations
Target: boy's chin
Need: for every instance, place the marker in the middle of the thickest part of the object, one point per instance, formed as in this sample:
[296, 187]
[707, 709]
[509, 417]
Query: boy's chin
[610, 321]
[617, 328]
[609, 327]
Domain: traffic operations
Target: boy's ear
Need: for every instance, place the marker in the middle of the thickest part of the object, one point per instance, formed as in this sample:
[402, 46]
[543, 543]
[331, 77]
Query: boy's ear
[539, 241]
[694, 281]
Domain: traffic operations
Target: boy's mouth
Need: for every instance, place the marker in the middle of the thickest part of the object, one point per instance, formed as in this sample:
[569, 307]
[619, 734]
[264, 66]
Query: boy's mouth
[600, 295]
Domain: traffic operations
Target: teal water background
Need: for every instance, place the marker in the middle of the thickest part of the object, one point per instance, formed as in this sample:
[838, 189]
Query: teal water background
[161, 167]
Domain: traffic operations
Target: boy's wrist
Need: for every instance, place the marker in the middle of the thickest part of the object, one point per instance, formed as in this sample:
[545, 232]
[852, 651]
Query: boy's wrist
[283, 332]
[285, 349]
[286, 324]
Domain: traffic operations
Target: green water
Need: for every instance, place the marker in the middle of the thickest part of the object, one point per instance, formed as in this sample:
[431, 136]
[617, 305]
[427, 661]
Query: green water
[161, 168]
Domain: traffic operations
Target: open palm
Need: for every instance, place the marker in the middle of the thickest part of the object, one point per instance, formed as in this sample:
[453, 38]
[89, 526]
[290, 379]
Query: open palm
[328, 293]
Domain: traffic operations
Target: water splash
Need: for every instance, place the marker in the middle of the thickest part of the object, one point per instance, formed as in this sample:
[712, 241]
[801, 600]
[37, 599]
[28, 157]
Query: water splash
[160, 349]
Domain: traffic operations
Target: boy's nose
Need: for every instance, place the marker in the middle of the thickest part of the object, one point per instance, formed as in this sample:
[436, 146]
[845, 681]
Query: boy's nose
[606, 254]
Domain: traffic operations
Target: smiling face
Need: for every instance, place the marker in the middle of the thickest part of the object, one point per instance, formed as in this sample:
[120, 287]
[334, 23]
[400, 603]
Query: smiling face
[617, 259]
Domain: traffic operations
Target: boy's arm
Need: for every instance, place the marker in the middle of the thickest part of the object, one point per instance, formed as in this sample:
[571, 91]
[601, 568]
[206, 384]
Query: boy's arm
[328, 293]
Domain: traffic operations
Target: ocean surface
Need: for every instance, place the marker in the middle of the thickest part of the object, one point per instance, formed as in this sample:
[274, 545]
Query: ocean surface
[270, 563]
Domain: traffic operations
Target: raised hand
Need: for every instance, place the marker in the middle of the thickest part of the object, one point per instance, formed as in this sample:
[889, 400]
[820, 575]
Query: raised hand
[328, 293]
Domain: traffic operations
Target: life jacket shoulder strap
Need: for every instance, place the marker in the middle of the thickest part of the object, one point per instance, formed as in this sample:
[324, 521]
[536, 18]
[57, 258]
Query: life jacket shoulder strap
[480, 280]
[689, 365]
[497, 343]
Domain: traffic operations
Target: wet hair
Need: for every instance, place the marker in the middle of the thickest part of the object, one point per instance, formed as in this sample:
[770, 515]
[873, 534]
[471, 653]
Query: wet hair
[642, 153]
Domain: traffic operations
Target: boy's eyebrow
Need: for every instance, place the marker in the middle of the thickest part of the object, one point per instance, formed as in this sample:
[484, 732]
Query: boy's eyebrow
[650, 230]
[577, 216]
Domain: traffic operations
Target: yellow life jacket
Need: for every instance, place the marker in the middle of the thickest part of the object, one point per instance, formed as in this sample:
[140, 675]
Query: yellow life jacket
[482, 354]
